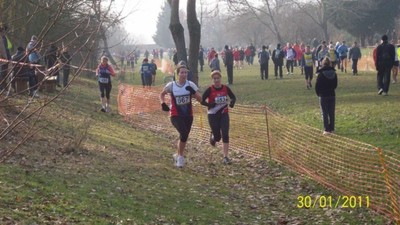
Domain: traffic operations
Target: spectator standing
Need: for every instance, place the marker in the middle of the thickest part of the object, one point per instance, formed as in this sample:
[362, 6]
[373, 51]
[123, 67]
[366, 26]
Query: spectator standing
[34, 57]
[221, 55]
[211, 55]
[264, 60]
[247, 54]
[236, 58]
[324, 52]
[146, 54]
[290, 55]
[325, 89]
[51, 58]
[201, 58]
[299, 54]
[277, 58]
[146, 73]
[385, 56]
[342, 51]
[33, 51]
[154, 71]
[316, 52]
[25, 71]
[354, 55]
[314, 43]
[214, 63]
[5, 47]
[132, 60]
[65, 59]
[229, 64]
[241, 58]
[395, 69]
[338, 64]
[253, 53]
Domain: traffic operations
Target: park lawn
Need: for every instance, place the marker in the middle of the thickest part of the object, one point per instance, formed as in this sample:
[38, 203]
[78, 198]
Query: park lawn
[361, 114]
[88, 167]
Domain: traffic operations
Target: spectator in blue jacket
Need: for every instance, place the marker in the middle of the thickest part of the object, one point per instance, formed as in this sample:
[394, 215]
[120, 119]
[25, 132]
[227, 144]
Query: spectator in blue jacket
[146, 72]
[342, 51]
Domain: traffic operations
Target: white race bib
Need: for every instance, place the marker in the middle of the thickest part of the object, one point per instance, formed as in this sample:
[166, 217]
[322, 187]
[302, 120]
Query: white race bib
[220, 100]
[182, 100]
[103, 80]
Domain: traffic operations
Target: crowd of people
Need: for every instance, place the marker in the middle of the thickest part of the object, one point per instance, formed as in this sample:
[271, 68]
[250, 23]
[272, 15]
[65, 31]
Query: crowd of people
[326, 57]
[25, 61]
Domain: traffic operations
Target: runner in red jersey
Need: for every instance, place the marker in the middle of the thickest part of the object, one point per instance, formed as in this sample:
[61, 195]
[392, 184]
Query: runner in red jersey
[218, 96]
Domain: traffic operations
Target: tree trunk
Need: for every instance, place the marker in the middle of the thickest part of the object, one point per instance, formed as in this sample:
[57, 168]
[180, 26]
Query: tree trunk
[105, 42]
[176, 29]
[324, 21]
[275, 26]
[195, 36]
[325, 30]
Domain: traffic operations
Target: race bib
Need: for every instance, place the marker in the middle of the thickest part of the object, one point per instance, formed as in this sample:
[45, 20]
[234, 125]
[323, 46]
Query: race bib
[220, 100]
[103, 80]
[182, 100]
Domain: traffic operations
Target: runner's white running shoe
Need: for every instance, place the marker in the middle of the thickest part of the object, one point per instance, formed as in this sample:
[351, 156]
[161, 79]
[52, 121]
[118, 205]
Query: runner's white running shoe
[180, 161]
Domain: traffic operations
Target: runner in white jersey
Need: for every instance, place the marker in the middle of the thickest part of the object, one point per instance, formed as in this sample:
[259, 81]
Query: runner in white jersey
[181, 110]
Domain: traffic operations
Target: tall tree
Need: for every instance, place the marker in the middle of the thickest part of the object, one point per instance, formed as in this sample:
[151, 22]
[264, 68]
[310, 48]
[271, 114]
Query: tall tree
[177, 31]
[178, 35]
[194, 42]
[366, 18]
[318, 11]
[163, 37]
[268, 12]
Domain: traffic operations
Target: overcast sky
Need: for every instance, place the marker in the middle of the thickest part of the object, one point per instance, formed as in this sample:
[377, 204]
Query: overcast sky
[142, 22]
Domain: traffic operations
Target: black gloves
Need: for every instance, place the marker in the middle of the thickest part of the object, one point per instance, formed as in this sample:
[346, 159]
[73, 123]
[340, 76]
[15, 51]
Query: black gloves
[191, 90]
[209, 105]
[164, 107]
[232, 104]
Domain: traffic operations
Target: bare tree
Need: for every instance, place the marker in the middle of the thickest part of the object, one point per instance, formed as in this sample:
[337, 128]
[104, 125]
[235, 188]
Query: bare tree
[267, 13]
[177, 30]
[178, 35]
[69, 23]
[107, 19]
[195, 35]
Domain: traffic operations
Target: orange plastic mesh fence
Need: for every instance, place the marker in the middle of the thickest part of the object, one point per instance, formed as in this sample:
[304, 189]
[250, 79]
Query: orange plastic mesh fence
[348, 166]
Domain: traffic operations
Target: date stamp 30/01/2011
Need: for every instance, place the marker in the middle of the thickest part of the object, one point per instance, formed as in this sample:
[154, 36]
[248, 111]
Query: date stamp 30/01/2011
[341, 201]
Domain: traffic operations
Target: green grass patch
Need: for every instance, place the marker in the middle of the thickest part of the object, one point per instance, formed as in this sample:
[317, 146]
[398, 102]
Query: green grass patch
[120, 174]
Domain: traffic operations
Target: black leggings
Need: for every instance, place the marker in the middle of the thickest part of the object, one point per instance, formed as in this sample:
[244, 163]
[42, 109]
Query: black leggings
[105, 88]
[219, 124]
[183, 126]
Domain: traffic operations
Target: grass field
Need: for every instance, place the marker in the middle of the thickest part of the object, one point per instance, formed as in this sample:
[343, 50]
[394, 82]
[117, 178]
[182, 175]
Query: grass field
[87, 167]
[361, 114]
